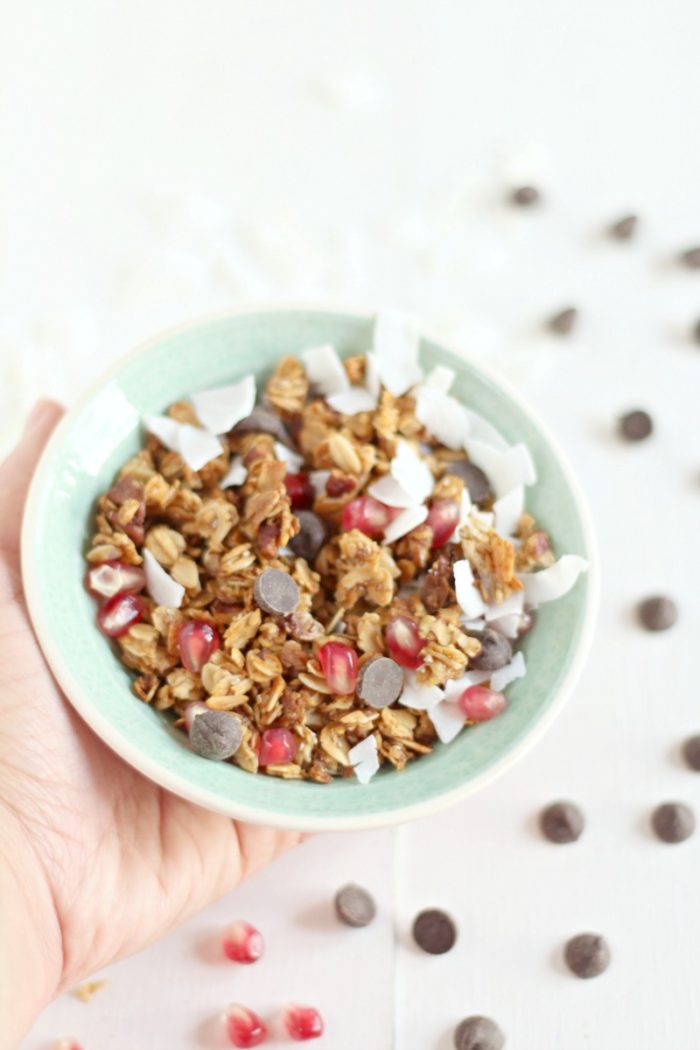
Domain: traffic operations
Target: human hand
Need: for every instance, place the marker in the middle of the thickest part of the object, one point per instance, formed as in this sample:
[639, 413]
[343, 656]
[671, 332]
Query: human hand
[95, 860]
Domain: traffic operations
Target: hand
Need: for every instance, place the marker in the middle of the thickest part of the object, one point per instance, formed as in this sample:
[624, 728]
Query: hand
[95, 861]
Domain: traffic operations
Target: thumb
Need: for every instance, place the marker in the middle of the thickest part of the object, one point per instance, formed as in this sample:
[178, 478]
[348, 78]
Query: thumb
[17, 470]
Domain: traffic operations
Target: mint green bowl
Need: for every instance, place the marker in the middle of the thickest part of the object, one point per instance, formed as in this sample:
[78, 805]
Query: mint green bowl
[103, 430]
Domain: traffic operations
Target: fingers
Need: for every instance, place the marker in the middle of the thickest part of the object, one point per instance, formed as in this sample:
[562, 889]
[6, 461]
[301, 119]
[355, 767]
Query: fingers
[16, 472]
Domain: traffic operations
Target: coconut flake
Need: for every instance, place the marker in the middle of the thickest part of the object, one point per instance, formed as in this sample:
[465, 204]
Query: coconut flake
[549, 584]
[442, 416]
[505, 469]
[163, 589]
[388, 491]
[448, 720]
[473, 625]
[404, 522]
[513, 604]
[372, 379]
[411, 472]
[455, 688]
[318, 479]
[481, 430]
[221, 408]
[349, 402]
[507, 625]
[465, 509]
[508, 510]
[505, 675]
[325, 370]
[440, 378]
[293, 460]
[396, 342]
[468, 597]
[419, 697]
[236, 473]
[364, 759]
[196, 446]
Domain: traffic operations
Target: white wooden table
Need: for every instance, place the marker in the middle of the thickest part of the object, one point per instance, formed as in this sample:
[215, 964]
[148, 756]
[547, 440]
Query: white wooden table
[162, 161]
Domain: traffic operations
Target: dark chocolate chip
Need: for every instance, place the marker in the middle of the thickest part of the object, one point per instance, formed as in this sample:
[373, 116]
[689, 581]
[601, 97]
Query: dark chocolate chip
[311, 537]
[562, 822]
[657, 613]
[526, 196]
[696, 332]
[263, 421]
[276, 592]
[563, 322]
[476, 481]
[215, 734]
[478, 1033]
[354, 905]
[587, 955]
[636, 425]
[691, 753]
[625, 229]
[380, 682]
[496, 650]
[691, 258]
[434, 931]
[673, 821]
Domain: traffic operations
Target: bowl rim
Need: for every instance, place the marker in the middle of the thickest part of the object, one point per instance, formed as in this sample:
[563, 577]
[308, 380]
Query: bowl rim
[121, 745]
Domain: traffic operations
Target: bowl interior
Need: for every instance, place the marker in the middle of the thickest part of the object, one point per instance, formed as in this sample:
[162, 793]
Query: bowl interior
[105, 430]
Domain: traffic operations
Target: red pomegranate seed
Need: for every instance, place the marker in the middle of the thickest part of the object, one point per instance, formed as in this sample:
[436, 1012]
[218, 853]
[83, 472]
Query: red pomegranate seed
[118, 614]
[277, 747]
[244, 1027]
[197, 641]
[114, 577]
[405, 643]
[366, 514]
[339, 486]
[303, 1022]
[339, 666]
[443, 517]
[479, 704]
[300, 491]
[242, 942]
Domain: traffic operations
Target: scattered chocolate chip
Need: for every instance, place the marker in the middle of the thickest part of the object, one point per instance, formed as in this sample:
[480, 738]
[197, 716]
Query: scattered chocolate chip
[696, 332]
[215, 734]
[562, 822]
[673, 821]
[625, 229]
[311, 537]
[380, 682]
[478, 1033]
[355, 906]
[434, 931]
[691, 753]
[261, 420]
[563, 322]
[526, 195]
[473, 477]
[636, 425]
[691, 258]
[587, 955]
[496, 650]
[657, 613]
[276, 592]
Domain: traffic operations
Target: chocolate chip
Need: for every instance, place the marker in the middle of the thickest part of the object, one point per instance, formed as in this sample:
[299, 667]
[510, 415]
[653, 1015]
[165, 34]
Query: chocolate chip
[625, 229]
[636, 425]
[311, 537]
[215, 734]
[380, 682]
[434, 931]
[696, 332]
[496, 650]
[691, 753]
[526, 196]
[691, 258]
[354, 905]
[657, 613]
[478, 1033]
[673, 822]
[587, 955]
[562, 822]
[262, 421]
[276, 592]
[476, 481]
[563, 322]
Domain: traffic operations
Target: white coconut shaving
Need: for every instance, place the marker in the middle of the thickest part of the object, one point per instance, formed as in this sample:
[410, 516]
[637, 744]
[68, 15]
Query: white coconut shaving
[473, 625]
[419, 697]
[396, 342]
[318, 479]
[549, 584]
[236, 473]
[440, 378]
[468, 598]
[508, 510]
[349, 402]
[163, 589]
[196, 446]
[514, 603]
[507, 625]
[505, 675]
[404, 522]
[448, 720]
[455, 688]
[373, 380]
[388, 491]
[481, 430]
[442, 416]
[505, 469]
[293, 460]
[325, 370]
[219, 410]
[411, 472]
[465, 509]
[364, 759]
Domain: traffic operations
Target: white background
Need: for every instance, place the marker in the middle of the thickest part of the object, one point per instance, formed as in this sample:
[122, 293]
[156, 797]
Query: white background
[161, 160]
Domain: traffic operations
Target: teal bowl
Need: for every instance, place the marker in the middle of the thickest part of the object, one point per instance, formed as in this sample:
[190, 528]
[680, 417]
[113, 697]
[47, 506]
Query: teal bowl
[103, 430]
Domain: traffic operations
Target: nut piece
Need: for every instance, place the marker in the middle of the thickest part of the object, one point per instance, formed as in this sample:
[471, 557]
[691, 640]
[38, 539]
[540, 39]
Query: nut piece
[276, 592]
[354, 906]
[478, 1033]
[215, 734]
[587, 955]
[380, 682]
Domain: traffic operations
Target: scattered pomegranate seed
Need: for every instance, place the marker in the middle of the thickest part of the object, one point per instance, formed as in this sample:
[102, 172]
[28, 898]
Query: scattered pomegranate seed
[300, 491]
[114, 577]
[443, 518]
[479, 704]
[244, 1027]
[366, 514]
[242, 942]
[405, 643]
[303, 1022]
[277, 747]
[339, 486]
[118, 614]
[339, 665]
[197, 641]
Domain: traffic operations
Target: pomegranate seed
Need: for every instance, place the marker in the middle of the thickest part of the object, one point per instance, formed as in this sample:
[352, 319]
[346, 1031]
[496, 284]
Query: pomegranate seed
[479, 704]
[197, 641]
[404, 641]
[339, 666]
[118, 614]
[443, 518]
[339, 486]
[242, 943]
[114, 577]
[366, 514]
[244, 1027]
[303, 1022]
[277, 747]
[300, 491]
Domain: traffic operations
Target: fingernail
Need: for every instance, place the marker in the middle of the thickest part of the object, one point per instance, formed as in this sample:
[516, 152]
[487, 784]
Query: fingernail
[42, 411]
